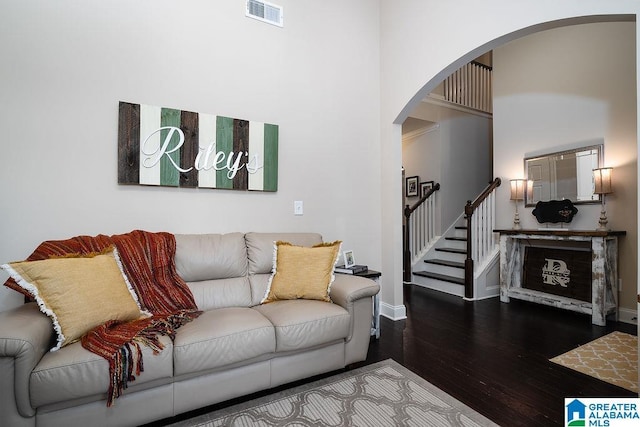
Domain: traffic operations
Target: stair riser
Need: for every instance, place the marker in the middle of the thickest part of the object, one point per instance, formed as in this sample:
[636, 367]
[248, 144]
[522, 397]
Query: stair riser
[439, 285]
[459, 233]
[442, 269]
[455, 244]
[450, 256]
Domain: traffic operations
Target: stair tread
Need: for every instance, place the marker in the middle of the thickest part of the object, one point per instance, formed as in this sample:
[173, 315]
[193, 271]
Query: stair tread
[452, 250]
[444, 262]
[444, 277]
[459, 239]
[460, 227]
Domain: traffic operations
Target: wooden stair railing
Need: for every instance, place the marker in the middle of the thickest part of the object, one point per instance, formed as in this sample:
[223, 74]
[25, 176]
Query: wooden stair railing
[408, 210]
[483, 232]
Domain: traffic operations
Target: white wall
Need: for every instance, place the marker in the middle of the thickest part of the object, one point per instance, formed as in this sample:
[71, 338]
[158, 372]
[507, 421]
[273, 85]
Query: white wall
[66, 64]
[339, 83]
[564, 86]
[421, 153]
[456, 153]
[447, 35]
[467, 161]
[421, 157]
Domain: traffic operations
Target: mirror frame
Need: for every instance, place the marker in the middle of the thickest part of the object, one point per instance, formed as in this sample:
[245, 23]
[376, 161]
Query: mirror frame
[599, 146]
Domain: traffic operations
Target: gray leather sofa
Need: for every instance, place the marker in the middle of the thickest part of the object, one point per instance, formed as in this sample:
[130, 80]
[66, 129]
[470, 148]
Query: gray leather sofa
[236, 347]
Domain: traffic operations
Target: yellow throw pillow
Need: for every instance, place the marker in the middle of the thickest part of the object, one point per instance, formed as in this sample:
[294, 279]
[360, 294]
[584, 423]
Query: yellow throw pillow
[78, 293]
[302, 272]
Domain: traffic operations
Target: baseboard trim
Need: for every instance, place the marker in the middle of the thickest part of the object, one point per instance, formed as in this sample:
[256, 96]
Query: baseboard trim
[627, 315]
[398, 312]
[482, 298]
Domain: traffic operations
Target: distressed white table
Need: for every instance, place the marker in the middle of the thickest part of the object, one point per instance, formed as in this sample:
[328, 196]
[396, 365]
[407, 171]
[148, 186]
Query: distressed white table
[604, 270]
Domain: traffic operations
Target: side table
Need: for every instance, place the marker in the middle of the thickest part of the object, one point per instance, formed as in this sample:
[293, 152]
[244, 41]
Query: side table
[375, 322]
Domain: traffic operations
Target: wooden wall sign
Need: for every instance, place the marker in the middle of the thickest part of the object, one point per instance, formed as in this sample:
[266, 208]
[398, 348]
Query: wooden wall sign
[169, 147]
[564, 272]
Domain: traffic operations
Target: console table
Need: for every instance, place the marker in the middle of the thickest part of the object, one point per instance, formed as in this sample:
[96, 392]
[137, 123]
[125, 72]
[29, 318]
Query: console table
[598, 247]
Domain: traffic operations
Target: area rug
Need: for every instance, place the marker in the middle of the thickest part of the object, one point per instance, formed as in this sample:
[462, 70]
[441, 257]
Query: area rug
[383, 394]
[612, 358]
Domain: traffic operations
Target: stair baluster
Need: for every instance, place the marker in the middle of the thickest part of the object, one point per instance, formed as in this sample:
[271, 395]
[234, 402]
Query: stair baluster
[423, 229]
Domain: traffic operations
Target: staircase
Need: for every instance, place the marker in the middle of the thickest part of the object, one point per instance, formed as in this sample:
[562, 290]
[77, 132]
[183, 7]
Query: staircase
[456, 263]
[464, 261]
[443, 266]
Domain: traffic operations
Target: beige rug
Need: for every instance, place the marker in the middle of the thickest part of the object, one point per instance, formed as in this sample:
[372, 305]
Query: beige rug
[380, 395]
[612, 358]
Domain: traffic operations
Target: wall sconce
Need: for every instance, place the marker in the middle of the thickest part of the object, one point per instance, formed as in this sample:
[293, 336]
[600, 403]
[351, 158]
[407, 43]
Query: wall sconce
[602, 185]
[517, 194]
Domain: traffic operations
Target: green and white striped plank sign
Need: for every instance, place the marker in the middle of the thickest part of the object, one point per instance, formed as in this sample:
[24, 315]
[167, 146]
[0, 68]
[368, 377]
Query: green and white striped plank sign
[169, 147]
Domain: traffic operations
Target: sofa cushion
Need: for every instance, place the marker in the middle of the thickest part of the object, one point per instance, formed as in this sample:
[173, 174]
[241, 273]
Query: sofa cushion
[78, 293]
[301, 324]
[221, 293]
[210, 256]
[301, 272]
[74, 372]
[222, 337]
[260, 248]
[215, 268]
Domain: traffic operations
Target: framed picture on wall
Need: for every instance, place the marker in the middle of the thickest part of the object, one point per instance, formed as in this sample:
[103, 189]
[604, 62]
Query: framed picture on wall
[412, 186]
[424, 187]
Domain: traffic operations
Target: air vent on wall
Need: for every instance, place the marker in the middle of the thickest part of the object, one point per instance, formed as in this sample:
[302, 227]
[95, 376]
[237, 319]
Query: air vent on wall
[265, 12]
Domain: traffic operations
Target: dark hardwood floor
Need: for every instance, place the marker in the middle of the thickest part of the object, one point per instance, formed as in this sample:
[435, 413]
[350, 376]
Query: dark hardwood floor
[494, 357]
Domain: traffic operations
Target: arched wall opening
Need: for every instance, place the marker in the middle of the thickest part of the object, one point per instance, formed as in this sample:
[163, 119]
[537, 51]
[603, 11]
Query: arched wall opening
[480, 50]
[391, 135]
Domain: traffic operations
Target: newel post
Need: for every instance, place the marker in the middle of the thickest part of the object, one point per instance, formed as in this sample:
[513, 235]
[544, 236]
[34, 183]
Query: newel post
[468, 262]
[406, 256]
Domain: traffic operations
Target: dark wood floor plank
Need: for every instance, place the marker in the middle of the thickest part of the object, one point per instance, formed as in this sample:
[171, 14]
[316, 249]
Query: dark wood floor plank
[493, 356]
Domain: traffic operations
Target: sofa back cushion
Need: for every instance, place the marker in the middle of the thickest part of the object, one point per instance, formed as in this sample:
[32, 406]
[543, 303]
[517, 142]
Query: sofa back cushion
[231, 270]
[260, 248]
[215, 268]
[260, 252]
[210, 256]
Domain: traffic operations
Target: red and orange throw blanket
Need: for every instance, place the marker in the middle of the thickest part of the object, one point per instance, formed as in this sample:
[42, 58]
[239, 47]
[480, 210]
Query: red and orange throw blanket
[148, 261]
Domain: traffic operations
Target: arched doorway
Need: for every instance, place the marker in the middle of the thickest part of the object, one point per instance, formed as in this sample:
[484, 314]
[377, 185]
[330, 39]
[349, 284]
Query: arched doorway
[396, 108]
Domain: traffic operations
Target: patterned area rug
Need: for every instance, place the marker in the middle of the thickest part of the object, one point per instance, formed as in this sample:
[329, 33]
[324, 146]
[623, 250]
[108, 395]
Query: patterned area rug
[383, 394]
[612, 358]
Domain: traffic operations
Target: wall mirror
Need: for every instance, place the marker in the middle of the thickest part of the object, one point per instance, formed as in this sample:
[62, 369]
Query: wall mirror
[565, 174]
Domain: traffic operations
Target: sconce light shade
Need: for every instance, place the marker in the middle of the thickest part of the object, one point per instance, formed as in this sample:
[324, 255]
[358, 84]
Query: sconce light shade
[602, 185]
[602, 181]
[517, 189]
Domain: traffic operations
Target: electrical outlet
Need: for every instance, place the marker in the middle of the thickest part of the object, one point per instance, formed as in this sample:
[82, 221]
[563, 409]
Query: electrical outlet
[298, 207]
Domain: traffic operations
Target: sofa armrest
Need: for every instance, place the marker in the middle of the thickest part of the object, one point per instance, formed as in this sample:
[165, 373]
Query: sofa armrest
[355, 295]
[346, 289]
[25, 336]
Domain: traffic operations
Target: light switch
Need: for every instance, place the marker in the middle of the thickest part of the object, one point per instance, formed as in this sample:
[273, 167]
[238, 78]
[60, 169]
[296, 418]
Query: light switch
[298, 208]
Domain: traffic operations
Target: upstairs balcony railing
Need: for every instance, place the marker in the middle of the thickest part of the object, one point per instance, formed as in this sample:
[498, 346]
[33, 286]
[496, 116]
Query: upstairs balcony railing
[470, 86]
